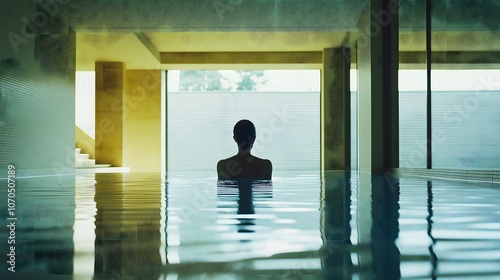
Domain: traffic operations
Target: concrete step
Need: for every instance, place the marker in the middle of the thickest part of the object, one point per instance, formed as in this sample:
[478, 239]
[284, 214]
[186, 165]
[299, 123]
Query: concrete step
[79, 162]
[84, 161]
[93, 166]
[82, 157]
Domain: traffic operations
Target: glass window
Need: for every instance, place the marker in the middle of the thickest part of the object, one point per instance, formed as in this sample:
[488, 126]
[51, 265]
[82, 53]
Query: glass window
[283, 105]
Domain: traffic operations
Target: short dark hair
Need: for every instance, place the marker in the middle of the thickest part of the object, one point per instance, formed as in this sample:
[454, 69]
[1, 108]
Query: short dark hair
[243, 130]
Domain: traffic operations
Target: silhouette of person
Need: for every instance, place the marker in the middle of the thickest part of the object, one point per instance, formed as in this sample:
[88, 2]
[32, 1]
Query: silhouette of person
[244, 165]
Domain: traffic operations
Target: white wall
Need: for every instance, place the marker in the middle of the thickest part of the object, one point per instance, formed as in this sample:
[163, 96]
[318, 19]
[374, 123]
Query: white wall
[85, 101]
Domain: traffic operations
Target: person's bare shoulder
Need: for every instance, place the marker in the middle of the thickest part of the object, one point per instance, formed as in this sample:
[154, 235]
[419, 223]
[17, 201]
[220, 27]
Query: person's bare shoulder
[267, 166]
[220, 164]
[227, 168]
[221, 170]
[262, 161]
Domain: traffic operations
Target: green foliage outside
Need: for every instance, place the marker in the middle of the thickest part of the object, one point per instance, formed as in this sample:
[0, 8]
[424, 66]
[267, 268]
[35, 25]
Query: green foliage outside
[210, 80]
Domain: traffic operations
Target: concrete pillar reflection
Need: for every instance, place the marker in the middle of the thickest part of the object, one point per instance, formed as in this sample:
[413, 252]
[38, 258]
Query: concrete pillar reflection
[385, 227]
[336, 230]
[127, 226]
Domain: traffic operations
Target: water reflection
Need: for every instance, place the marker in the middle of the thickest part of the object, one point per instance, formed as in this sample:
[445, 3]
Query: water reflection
[335, 225]
[44, 212]
[115, 226]
[385, 226]
[434, 259]
[244, 191]
[127, 226]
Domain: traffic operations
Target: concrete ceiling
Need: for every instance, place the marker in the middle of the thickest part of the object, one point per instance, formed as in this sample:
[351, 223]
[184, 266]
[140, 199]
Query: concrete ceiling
[451, 41]
[211, 15]
[244, 41]
[266, 15]
[127, 47]
[108, 30]
[123, 47]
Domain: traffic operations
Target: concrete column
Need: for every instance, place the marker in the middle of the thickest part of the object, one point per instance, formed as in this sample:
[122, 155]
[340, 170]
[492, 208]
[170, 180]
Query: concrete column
[384, 69]
[335, 114]
[378, 122]
[142, 121]
[377, 49]
[109, 115]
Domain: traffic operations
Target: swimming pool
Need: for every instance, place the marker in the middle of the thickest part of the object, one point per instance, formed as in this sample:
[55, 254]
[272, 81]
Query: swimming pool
[303, 226]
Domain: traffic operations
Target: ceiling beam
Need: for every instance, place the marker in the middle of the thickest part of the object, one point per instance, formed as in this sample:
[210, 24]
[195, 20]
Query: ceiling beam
[310, 57]
[149, 45]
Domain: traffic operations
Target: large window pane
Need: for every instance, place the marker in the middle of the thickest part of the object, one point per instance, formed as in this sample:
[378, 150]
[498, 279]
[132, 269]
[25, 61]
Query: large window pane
[465, 84]
[354, 119]
[200, 123]
[412, 119]
[412, 85]
[466, 119]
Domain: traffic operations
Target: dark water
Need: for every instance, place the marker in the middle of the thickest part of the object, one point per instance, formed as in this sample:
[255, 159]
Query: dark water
[302, 226]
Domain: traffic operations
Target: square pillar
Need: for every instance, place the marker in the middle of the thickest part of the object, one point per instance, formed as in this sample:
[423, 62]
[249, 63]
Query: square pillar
[109, 115]
[142, 121]
[336, 110]
[385, 102]
[378, 115]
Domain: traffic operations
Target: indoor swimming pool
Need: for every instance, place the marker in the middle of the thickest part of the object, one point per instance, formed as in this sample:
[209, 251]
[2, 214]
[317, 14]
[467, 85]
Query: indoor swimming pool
[302, 226]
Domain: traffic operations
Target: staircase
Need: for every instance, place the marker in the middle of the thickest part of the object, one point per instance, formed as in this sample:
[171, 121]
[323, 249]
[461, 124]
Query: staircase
[84, 161]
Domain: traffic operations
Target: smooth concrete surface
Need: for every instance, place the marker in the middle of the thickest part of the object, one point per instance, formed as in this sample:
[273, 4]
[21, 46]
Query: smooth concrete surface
[110, 91]
[142, 121]
[336, 110]
[378, 89]
[37, 92]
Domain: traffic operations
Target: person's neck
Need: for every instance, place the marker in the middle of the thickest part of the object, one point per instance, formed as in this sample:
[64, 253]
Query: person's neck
[244, 153]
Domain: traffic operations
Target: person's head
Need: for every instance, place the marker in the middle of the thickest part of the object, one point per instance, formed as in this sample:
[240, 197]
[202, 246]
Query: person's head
[244, 134]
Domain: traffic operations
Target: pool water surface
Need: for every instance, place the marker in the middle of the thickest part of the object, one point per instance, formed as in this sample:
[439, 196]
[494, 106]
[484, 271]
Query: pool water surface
[299, 226]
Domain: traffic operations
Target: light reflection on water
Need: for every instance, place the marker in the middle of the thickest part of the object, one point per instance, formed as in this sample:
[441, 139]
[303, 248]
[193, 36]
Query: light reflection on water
[300, 226]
